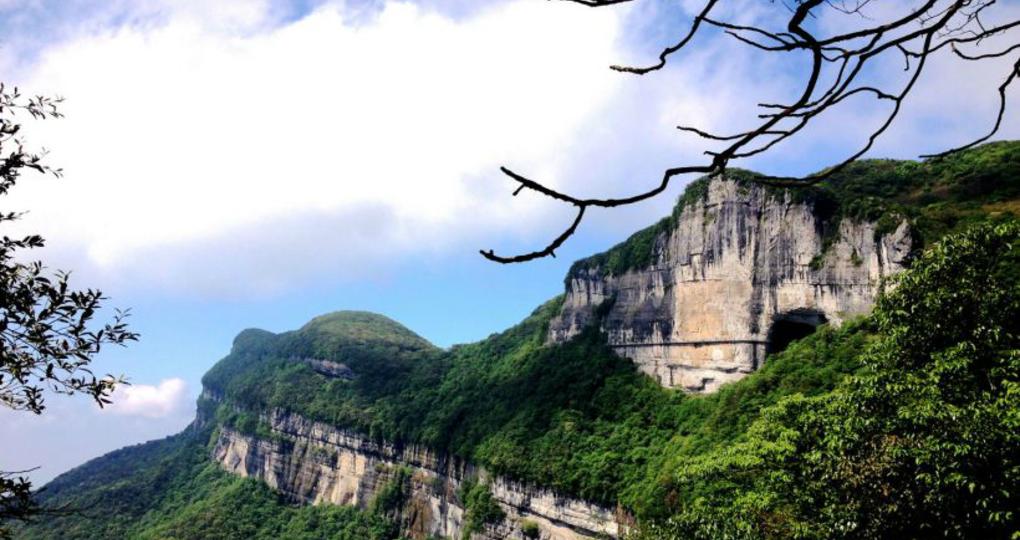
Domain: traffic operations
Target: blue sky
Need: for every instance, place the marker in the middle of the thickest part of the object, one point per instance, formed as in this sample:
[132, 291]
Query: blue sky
[256, 163]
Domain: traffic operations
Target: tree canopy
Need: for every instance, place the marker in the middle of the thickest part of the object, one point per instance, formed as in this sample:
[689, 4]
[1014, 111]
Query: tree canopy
[48, 334]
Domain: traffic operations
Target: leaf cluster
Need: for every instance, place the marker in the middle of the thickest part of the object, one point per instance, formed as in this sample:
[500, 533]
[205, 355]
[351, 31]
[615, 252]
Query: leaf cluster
[47, 335]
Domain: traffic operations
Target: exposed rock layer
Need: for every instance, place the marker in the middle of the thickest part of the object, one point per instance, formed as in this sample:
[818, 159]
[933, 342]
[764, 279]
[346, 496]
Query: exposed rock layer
[734, 265]
[331, 369]
[315, 463]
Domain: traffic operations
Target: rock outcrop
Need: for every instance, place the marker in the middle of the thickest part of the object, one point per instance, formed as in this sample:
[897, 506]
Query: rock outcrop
[314, 463]
[331, 369]
[737, 272]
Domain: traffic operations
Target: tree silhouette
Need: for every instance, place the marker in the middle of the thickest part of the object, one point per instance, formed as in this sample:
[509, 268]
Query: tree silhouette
[48, 338]
[837, 71]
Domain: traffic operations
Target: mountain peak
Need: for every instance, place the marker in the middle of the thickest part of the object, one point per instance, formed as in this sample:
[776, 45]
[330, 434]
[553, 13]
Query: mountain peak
[362, 327]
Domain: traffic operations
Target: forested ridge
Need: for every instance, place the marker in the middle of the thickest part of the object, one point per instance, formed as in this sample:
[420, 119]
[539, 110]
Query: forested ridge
[902, 423]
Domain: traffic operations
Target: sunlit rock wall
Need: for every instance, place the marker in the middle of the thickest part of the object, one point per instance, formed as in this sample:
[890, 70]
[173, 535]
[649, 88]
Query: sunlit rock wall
[315, 463]
[735, 263]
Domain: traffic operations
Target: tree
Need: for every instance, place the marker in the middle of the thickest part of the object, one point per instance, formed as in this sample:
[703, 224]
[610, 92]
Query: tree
[48, 337]
[923, 443]
[837, 69]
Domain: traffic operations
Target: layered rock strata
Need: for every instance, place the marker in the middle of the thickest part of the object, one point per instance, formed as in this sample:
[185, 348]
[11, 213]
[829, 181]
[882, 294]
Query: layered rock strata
[315, 463]
[738, 269]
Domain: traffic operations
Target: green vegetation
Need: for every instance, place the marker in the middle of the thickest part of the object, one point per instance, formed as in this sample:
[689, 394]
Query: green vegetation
[360, 328]
[923, 442]
[170, 489]
[574, 417]
[245, 422]
[480, 508]
[903, 423]
[530, 529]
[937, 196]
[49, 332]
[391, 498]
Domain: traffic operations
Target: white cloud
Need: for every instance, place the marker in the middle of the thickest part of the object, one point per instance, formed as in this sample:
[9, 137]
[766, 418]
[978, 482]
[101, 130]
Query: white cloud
[213, 149]
[73, 429]
[160, 401]
[191, 131]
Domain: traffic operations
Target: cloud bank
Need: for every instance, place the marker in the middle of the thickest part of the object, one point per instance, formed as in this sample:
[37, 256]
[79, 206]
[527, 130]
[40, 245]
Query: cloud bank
[197, 127]
[167, 398]
[242, 148]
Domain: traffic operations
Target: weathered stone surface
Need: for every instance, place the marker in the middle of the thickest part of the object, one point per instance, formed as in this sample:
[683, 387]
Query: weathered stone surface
[330, 368]
[316, 463]
[700, 315]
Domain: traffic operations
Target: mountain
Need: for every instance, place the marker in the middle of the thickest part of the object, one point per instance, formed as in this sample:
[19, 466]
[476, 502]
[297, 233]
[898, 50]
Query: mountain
[739, 268]
[721, 283]
[355, 427]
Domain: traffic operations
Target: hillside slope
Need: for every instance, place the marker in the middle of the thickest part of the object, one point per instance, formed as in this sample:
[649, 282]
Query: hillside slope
[516, 437]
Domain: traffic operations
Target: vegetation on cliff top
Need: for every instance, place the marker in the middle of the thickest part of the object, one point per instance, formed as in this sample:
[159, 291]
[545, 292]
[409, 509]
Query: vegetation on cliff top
[936, 196]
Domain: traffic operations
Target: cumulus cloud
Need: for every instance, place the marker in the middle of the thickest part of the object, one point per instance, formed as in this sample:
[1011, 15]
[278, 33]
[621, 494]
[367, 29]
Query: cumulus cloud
[167, 398]
[189, 129]
[237, 148]
[72, 430]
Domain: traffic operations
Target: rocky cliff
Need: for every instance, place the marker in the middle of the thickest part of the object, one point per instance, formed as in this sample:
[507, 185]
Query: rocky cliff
[699, 299]
[737, 272]
[315, 463]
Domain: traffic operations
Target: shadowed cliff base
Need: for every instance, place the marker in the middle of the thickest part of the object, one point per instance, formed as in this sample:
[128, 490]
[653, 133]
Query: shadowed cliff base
[789, 328]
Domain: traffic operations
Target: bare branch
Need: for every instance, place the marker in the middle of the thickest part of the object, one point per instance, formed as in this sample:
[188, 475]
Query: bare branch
[548, 251]
[1013, 74]
[835, 64]
[670, 50]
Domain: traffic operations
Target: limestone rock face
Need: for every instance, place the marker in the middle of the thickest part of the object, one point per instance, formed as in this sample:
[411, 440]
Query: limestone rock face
[726, 282]
[315, 463]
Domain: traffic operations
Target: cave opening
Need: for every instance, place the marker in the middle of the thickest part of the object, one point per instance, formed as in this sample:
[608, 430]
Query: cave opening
[791, 327]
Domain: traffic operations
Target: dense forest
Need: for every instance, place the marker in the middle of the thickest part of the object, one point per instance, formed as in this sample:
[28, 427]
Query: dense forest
[904, 422]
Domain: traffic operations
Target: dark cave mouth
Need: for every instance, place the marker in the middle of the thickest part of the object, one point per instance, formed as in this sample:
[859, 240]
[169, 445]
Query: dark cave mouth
[787, 329]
